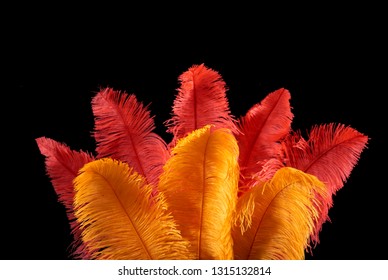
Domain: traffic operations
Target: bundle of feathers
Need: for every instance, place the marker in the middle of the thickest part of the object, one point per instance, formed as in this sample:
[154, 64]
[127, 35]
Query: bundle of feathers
[223, 188]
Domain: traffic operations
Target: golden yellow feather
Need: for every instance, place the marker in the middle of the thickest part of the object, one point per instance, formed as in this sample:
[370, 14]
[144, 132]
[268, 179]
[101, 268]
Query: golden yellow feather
[119, 217]
[200, 183]
[276, 218]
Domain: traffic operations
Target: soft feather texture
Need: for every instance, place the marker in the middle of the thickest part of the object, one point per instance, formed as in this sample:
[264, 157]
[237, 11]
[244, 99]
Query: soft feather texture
[118, 220]
[279, 217]
[123, 130]
[200, 184]
[62, 166]
[267, 211]
[261, 130]
[330, 154]
[201, 100]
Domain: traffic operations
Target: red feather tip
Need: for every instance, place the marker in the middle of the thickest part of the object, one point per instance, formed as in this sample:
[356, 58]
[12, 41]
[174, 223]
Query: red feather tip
[201, 101]
[124, 131]
[261, 130]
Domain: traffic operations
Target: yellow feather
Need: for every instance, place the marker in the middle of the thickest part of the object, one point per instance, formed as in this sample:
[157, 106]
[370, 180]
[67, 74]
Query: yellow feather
[200, 182]
[277, 217]
[119, 217]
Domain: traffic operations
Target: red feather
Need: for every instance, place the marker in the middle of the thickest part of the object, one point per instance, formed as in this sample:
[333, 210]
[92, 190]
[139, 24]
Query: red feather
[201, 101]
[123, 131]
[330, 154]
[261, 130]
[62, 166]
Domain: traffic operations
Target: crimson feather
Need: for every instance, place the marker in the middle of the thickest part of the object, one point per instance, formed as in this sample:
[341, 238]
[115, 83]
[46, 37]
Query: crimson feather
[201, 100]
[330, 153]
[124, 131]
[261, 130]
[62, 166]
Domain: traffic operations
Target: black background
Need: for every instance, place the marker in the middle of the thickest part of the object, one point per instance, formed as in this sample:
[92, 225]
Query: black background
[332, 65]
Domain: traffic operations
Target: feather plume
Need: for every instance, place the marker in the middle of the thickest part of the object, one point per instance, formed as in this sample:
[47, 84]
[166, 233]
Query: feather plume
[279, 216]
[62, 166]
[123, 131]
[330, 154]
[261, 130]
[200, 184]
[112, 204]
[201, 100]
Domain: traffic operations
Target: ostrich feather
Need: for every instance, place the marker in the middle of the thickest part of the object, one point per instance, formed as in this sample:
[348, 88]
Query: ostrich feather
[62, 166]
[201, 100]
[280, 217]
[330, 154]
[123, 131]
[261, 130]
[118, 221]
[200, 184]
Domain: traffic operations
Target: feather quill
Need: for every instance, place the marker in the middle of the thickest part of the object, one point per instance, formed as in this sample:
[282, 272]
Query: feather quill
[330, 154]
[261, 130]
[123, 131]
[201, 100]
[200, 184]
[280, 216]
[112, 204]
[62, 166]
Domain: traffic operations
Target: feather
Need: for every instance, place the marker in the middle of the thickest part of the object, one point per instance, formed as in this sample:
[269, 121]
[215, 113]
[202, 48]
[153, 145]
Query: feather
[200, 184]
[62, 166]
[201, 100]
[330, 154]
[280, 216]
[112, 204]
[244, 211]
[123, 131]
[261, 130]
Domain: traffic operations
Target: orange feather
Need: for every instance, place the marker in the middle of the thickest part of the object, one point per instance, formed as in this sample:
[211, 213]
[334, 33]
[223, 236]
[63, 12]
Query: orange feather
[277, 217]
[200, 183]
[118, 217]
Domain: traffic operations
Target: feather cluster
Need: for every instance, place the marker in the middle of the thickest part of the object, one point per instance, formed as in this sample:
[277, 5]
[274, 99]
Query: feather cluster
[223, 188]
